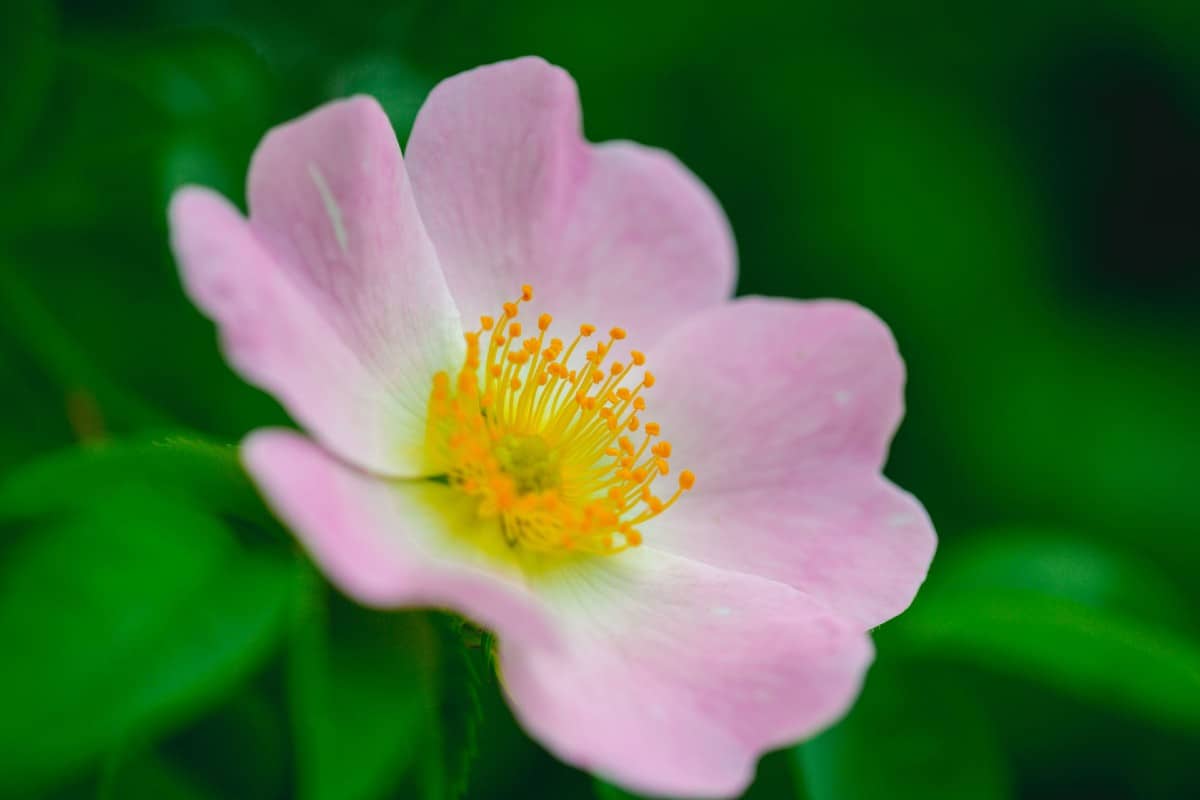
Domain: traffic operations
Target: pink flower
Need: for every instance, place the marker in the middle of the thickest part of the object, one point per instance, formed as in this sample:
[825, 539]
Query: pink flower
[661, 637]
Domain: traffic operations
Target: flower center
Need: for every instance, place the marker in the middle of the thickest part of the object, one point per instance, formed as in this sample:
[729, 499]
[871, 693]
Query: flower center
[550, 442]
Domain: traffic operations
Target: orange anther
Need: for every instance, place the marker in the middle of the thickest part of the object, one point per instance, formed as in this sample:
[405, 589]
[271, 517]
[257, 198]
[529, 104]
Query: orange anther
[473, 425]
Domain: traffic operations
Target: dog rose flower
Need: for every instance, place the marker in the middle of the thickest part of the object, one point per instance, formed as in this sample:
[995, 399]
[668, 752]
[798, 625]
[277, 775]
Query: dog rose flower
[530, 399]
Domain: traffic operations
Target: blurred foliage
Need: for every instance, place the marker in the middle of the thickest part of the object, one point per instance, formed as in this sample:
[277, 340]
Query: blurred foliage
[924, 736]
[1011, 186]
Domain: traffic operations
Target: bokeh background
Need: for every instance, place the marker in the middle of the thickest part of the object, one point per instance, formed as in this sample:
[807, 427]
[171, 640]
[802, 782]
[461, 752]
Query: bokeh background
[1013, 187]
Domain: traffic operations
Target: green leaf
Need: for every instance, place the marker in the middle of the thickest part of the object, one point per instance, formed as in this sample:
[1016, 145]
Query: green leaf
[607, 791]
[383, 704]
[27, 29]
[461, 660]
[213, 750]
[1070, 615]
[361, 696]
[26, 390]
[121, 620]
[909, 736]
[399, 88]
[63, 359]
[184, 466]
[149, 776]
[1049, 563]
[955, 199]
[83, 220]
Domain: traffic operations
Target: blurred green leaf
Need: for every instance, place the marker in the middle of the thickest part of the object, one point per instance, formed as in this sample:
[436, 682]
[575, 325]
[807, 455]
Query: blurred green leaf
[608, 791]
[1047, 562]
[907, 737]
[181, 466]
[212, 751]
[1078, 618]
[362, 698]
[461, 657]
[64, 360]
[27, 50]
[27, 428]
[941, 227]
[83, 221]
[399, 89]
[149, 776]
[121, 620]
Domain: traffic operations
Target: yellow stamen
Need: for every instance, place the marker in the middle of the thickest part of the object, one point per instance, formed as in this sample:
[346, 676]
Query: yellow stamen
[537, 437]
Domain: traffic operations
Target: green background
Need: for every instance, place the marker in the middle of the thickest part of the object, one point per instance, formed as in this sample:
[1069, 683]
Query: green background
[1013, 187]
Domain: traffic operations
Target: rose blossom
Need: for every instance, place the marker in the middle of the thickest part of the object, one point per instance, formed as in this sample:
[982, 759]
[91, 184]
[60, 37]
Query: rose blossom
[665, 610]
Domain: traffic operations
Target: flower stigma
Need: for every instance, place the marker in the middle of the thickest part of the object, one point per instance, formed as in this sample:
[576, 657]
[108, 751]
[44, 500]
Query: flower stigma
[550, 443]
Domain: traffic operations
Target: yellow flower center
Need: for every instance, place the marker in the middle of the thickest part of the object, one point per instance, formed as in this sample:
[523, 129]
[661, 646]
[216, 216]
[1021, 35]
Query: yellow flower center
[549, 442]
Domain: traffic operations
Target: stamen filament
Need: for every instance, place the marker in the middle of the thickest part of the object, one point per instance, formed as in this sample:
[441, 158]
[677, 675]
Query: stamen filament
[545, 447]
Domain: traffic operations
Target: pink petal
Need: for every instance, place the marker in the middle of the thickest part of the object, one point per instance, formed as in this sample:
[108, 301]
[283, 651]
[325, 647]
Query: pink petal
[784, 410]
[331, 298]
[392, 544]
[615, 234]
[675, 676]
